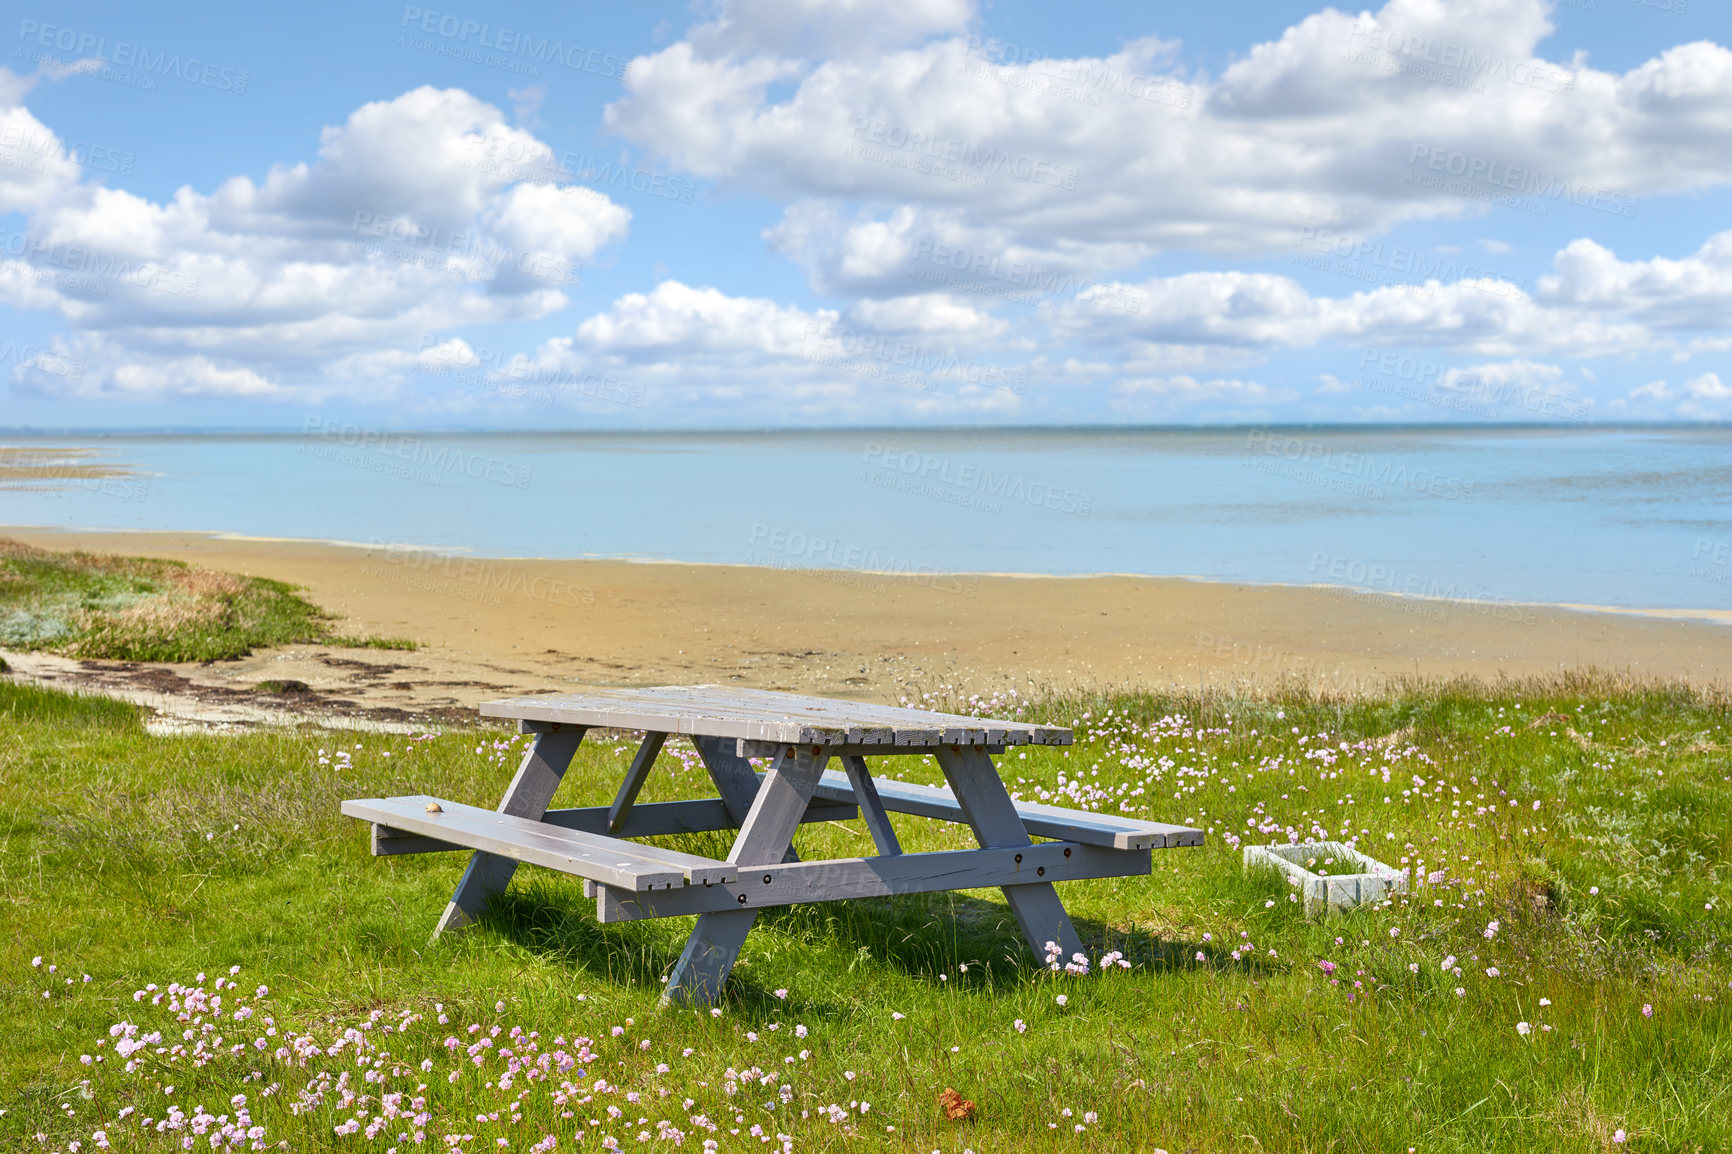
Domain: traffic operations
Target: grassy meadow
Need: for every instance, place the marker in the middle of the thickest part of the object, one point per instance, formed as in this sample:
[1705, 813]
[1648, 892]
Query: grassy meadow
[199, 952]
[109, 607]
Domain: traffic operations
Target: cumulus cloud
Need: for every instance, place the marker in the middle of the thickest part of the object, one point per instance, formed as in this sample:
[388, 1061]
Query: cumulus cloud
[697, 350]
[810, 28]
[1701, 398]
[677, 319]
[1689, 293]
[1344, 122]
[401, 227]
[1267, 311]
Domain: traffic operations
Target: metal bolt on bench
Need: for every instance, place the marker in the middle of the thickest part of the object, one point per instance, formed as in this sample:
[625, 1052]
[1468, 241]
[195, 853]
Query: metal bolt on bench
[800, 735]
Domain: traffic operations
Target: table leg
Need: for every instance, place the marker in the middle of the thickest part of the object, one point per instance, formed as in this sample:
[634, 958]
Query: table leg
[987, 806]
[764, 837]
[529, 794]
[634, 779]
[872, 807]
[734, 779]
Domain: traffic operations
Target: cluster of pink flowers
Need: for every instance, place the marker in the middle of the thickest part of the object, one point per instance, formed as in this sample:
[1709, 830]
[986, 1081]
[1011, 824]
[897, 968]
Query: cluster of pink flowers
[409, 1078]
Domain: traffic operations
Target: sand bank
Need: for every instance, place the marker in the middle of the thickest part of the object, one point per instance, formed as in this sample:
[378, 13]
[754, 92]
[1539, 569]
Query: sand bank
[492, 627]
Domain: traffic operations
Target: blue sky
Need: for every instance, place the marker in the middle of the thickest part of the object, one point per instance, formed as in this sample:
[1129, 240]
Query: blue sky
[796, 212]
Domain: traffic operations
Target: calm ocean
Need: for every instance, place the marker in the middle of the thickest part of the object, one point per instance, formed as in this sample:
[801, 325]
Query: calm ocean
[1638, 518]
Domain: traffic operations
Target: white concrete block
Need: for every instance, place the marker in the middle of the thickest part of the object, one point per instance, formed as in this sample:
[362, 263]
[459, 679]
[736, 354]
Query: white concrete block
[1331, 877]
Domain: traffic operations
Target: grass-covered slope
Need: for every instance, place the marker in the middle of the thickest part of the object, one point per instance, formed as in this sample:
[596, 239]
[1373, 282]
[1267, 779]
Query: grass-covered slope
[146, 609]
[1558, 979]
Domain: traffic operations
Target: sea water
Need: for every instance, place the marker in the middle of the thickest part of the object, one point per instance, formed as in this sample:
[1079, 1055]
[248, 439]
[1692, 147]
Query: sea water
[1621, 517]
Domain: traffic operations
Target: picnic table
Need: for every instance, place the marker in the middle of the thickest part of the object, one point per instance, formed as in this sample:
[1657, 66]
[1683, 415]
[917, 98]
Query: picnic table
[798, 736]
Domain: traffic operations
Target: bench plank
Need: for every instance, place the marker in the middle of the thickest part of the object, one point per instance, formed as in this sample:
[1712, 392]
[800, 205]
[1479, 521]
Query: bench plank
[849, 878]
[1040, 820]
[604, 859]
[650, 819]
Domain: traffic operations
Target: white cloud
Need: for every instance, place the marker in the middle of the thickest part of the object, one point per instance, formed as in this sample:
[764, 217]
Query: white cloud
[1700, 398]
[811, 28]
[1707, 387]
[675, 318]
[1189, 389]
[1267, 311]
[929, 313]
[1325, 127]
[1694, 292]
[400, 227]
[698, 351]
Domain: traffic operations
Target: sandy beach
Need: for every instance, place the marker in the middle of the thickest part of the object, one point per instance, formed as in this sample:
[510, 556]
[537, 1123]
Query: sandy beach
[490, 627]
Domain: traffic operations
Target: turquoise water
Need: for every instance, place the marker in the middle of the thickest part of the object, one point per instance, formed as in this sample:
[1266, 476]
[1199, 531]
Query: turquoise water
[1638, 518]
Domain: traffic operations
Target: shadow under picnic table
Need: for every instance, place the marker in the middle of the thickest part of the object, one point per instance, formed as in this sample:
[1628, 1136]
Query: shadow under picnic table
[918, 935]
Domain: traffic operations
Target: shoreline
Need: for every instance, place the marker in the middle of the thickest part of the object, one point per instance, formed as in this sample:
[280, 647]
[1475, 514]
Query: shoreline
[492, 628]
[1703, 614]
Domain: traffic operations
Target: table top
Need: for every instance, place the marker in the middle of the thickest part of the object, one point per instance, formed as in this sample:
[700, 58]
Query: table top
[765, 715]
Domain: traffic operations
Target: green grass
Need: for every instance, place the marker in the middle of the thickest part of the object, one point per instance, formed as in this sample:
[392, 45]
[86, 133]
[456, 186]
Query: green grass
[138, 859]
[146, 609]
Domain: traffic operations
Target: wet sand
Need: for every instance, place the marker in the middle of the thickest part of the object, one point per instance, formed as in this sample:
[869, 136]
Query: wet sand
[492, 627]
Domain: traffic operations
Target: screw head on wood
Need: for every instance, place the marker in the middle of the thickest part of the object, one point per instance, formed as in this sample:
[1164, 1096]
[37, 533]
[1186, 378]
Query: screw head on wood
[742, 899]
[1040, 872]
[1067, 851]
[766, 879]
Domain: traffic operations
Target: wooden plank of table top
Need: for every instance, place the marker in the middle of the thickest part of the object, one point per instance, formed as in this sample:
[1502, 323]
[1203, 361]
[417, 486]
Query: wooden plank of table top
[769, 749]
[765, 715]
[848, 878]
[605, 859]
[1040, 820]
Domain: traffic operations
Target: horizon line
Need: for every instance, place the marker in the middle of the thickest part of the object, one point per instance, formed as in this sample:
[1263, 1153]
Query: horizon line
[720, 430]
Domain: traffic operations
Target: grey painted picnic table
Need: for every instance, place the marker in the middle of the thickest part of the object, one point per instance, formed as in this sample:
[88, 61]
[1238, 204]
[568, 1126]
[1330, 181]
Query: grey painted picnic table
[798, 736]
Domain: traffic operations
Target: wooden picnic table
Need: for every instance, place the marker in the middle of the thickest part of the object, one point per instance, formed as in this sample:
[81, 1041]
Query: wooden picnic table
[798, 736]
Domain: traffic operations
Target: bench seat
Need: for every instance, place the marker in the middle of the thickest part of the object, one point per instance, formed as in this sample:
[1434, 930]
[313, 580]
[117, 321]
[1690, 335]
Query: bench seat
[609, 860]
[1039, 820]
